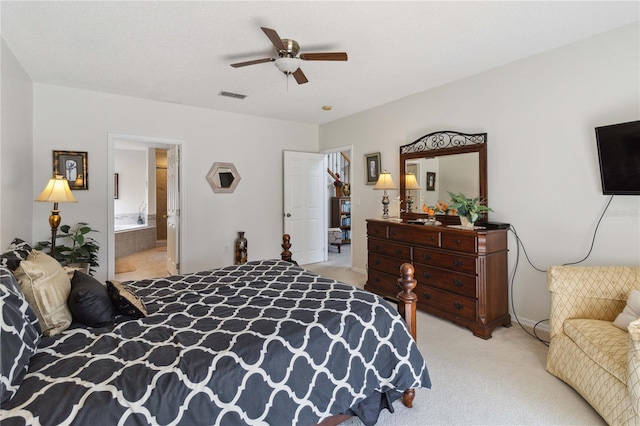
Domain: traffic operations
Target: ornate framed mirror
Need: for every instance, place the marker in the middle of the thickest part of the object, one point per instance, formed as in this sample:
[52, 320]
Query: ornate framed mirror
[440, 162]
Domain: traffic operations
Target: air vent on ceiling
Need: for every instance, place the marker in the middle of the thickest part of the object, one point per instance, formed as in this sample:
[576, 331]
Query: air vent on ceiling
[233, 95]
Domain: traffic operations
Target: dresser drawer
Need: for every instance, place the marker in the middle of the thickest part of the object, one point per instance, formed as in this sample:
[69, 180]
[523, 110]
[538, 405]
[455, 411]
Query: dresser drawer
[390, 265]
[460, 242]
[389, 248]
[377, 229]
[444, 301]
[440, 259]
[383, 284]
[415, 234]
[455, 282]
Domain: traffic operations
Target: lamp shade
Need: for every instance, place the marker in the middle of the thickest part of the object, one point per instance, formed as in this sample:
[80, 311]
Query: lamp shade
[57, 191]
[410, 181]
[385, 181]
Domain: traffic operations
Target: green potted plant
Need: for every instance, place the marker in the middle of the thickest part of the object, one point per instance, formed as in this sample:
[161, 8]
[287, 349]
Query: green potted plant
[80, 250]
[468, 209]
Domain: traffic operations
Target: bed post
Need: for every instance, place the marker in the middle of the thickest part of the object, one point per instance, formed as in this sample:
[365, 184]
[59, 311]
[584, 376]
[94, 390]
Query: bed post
[286, 245]
[407, 307]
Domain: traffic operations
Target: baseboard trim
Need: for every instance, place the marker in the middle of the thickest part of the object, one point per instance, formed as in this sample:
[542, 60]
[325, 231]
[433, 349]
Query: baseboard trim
[542, 330]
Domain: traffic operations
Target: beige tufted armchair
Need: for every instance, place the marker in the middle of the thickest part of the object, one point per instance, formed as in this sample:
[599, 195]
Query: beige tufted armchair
[599, 360]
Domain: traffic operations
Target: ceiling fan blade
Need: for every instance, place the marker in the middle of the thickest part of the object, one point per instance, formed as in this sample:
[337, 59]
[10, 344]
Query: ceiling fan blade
[255, 61]
[299, 76]
[327, 56]
[275, 38]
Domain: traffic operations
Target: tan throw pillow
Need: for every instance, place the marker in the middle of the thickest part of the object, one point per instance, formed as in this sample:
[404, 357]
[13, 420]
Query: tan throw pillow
[631, 311]
[46, 286]
[125, 300]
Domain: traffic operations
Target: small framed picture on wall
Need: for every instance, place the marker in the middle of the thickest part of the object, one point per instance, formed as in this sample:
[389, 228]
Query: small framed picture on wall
[74, 166]
[372, 168]
[431, 181]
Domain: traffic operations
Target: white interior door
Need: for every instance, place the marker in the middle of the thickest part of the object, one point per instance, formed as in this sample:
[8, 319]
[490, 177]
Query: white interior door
[173, 210]
[305, 215]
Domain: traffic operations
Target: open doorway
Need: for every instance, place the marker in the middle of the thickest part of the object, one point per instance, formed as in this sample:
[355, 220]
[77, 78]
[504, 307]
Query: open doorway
[142, 195]
[339, 205]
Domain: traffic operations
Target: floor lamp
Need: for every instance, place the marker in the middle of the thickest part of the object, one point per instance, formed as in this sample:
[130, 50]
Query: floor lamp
[56, 191]
[385, 182]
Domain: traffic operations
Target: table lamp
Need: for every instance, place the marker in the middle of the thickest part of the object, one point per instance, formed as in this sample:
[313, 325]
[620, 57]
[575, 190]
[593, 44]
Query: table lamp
[56, 191]
[410, 183]
[385, 182]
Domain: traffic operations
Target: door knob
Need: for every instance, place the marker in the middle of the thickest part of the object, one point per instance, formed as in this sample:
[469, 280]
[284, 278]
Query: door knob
[288, 215]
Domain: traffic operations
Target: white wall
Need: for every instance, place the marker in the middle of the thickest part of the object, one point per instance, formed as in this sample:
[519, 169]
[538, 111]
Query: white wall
[16, 165]
[540, 114]
[78, 120]
[131, 166]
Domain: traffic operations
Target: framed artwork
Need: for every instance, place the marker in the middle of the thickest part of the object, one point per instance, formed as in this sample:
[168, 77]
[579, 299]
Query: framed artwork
[372, 168]
[431, 181]
[115, 186]
[74, 166]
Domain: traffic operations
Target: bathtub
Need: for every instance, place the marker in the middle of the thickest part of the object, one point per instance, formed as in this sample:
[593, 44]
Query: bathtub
[129, 227]
[133, 238]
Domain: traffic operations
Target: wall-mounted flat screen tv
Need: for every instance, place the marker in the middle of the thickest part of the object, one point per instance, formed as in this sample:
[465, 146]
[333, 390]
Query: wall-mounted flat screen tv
[619, 155]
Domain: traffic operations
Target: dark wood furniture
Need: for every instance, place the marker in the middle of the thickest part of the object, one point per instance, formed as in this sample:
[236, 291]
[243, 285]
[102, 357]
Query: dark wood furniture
[341, 217]
[461, 274]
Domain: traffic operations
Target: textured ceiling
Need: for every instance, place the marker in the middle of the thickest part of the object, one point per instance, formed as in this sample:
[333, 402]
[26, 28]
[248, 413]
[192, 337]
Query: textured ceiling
[180, 51]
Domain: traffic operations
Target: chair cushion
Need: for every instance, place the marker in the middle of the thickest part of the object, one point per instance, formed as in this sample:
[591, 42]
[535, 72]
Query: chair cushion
[631, 311]
[601, 341]
[335, 235]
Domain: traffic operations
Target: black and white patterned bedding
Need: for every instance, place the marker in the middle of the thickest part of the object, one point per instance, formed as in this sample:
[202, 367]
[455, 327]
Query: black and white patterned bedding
[261, 343]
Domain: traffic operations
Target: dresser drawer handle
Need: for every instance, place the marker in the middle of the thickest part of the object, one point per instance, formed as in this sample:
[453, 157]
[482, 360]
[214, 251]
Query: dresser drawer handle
[432, 238]
[377, 279]
[426, 275]
[376, 262]
[458, 241]
[458, 262]
[457, 282]
[427, 296]
[398, 251]
[377, 247]
[458, 305]
[426, 257]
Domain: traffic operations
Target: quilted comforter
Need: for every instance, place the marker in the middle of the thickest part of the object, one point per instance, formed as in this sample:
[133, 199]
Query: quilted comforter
[265, 342]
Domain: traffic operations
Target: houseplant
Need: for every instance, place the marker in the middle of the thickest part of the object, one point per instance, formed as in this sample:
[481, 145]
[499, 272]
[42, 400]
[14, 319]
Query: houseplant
[79, 248]
[468, 209]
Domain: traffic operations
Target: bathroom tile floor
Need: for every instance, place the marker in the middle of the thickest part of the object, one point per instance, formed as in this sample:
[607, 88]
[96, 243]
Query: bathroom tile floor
[150, 263]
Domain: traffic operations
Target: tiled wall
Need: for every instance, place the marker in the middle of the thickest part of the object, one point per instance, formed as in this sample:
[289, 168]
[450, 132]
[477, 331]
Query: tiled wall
[129, 242]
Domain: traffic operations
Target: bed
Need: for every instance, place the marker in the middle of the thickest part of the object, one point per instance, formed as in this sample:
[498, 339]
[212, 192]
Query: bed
[266, 342]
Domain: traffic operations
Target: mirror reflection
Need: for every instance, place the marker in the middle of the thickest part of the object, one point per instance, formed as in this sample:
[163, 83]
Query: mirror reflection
[437, 176]
[438, 163]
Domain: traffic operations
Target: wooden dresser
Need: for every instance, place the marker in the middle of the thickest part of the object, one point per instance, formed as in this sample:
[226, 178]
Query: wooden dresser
[462, 275]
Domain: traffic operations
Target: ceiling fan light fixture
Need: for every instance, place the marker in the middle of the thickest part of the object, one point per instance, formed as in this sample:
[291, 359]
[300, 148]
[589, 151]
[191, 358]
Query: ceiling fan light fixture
[288, 65]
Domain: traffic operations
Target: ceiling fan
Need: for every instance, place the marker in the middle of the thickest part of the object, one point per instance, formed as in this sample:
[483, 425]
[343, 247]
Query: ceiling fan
[288, 60]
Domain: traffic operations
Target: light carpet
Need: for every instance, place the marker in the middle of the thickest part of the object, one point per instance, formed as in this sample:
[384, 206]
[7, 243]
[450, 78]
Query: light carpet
[499, 381]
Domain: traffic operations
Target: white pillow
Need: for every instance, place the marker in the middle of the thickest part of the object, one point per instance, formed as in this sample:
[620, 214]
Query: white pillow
[46, 286]
[631, 312]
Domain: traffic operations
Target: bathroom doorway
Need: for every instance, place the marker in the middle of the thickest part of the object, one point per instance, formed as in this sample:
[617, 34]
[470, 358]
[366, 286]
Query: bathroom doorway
[138, 236]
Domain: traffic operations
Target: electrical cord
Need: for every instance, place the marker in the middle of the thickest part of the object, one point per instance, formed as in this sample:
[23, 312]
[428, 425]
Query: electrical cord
[515, 268]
